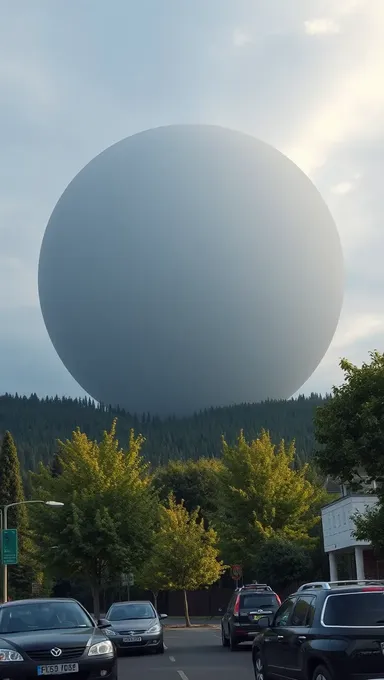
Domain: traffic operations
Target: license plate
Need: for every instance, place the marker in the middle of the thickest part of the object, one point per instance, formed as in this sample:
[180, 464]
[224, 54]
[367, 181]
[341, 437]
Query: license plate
[131, 639]
[58, 669]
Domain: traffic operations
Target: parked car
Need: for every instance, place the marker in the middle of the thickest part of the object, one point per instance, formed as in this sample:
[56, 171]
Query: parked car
[136, 625]
[324, 631]
[53, 637]
[247, 605]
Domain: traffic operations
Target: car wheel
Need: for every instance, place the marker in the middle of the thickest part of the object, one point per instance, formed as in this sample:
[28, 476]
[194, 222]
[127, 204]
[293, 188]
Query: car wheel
[234, 645]
[322, 673]
[258, 667]
[224, 640]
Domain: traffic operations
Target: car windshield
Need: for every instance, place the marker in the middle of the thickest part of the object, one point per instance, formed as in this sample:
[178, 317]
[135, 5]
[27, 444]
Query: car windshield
[123, 612]
[21, 618]
[255, 600]
[359, 609]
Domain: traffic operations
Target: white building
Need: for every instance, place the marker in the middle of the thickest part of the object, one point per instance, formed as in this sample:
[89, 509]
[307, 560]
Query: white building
[338, 526]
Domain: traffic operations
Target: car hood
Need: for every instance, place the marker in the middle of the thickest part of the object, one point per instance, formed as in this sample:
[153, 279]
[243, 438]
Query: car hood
[133, 624]
[47, 639]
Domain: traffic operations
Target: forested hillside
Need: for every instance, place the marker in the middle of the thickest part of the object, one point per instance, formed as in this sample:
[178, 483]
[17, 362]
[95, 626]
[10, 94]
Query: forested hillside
[36, 424]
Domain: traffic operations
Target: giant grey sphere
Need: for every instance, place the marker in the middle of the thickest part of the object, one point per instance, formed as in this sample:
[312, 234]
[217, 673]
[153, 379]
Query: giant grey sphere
[187, 267]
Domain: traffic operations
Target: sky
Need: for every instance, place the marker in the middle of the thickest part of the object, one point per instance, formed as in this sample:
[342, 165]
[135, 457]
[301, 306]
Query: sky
[79, 75]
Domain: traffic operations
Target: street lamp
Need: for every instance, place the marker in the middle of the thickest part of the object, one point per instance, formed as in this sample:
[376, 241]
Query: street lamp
[4, 527]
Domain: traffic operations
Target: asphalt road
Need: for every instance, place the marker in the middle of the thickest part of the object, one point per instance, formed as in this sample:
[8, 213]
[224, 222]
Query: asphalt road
[191, 654]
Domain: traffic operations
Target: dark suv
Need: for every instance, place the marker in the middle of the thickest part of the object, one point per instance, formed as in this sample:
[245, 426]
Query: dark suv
[325, 631]
[246, 606]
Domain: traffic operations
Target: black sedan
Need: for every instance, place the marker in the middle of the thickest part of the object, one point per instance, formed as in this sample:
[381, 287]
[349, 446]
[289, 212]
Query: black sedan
[53, 637]
[136, 625]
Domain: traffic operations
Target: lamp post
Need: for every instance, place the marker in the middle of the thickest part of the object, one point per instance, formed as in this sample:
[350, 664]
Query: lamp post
[4, 526]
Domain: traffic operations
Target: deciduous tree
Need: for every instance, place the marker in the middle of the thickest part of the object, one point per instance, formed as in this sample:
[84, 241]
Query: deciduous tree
[186, 553]
[262, 496]
[106, 525]
[282, 563]
[193, 481]
[350, 426]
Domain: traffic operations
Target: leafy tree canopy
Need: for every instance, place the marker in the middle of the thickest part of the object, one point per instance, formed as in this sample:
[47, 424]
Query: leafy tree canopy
[282, 563]
[106, 525]
[263, 496]
[185, 554]
[194, 482]
[350, 426]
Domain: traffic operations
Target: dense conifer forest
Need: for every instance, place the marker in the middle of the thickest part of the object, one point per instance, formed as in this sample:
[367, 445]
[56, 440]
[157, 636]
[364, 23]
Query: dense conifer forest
[36, 424]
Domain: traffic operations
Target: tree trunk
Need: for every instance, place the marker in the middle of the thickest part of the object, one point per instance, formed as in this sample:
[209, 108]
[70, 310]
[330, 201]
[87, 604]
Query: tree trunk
[96, 602]
[186, 610]
[155, 596]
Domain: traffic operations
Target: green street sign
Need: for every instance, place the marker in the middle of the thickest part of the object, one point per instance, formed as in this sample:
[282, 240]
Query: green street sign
[9, 546]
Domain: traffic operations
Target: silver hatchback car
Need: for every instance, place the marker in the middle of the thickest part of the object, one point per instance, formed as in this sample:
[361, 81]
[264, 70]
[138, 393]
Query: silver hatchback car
[136, 625]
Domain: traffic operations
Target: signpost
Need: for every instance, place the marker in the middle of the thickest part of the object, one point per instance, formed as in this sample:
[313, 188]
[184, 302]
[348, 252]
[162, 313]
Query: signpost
[9, 546]
[128, 580]
[237, 573]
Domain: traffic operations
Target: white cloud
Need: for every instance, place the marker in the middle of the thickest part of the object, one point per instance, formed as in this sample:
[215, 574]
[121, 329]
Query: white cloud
[355, 108]
[321, 27]
[240, 38]
[342, 188]
[357, 327]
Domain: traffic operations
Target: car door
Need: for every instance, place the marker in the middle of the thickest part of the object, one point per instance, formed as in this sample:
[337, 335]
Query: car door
[296, 634]
[228, 614]
[275, 647]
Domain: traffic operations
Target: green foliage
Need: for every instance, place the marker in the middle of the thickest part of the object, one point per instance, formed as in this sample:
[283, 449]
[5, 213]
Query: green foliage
[262, 496]
[22, 575]
[282, 563]
[194, 482]
[38, 424]
[369, 526]
[106, 525]
[185, 553]
[350, 427]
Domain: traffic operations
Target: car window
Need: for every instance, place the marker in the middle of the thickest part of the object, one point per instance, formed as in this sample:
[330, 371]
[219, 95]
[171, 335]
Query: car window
[231, 603]
[283, 614]
[303, 612]
[355, 609]
[20, 618]
[256, 600]
[124, 612]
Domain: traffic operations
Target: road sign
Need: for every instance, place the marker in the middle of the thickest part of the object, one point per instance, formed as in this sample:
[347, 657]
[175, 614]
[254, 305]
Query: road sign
[127, 579]
[236, 572]
[9, 546]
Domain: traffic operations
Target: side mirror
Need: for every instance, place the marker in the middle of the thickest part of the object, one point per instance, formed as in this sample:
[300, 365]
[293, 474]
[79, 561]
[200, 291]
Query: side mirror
[104, 623]
[163, 616]
[263, 623]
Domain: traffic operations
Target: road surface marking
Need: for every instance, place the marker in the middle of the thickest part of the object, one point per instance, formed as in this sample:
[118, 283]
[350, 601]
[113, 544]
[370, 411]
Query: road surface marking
[182, 675]
[172, 658]
[165, 647]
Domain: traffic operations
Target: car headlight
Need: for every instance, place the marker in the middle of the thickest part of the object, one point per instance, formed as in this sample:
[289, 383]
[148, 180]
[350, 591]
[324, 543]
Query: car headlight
[100, 648]
[10, 655]
[153, 630]
[110, 631]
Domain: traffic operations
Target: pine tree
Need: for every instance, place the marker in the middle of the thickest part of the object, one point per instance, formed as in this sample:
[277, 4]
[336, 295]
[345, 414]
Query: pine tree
[11, 491]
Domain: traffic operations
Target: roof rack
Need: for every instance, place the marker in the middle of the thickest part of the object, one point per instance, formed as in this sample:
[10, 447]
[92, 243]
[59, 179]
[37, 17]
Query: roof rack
[256, 586]
[328, 585]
